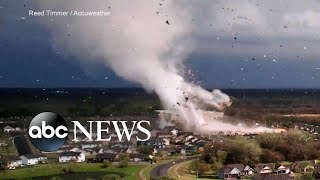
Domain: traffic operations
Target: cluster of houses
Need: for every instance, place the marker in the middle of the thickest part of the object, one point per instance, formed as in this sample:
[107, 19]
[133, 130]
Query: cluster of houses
[9, 128]
[167, 142]
[12, 162]
[270, 171]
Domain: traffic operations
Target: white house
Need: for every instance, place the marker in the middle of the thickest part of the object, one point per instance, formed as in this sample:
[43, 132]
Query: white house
[93, 151]
[11, 162]
[227, 172]
[8, 129]
[30, 159]
[76, 149]
[166, 141]
[88, 145]
[72, 156]
[282, 170]
[266, 170]
[3, 143]
[174, 132]
[248, 171]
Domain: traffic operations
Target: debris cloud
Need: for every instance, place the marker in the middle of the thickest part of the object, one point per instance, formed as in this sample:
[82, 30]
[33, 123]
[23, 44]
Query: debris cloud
[142, 42]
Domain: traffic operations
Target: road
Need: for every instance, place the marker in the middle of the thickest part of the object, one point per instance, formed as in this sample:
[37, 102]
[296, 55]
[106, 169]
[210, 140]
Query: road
[162, 169]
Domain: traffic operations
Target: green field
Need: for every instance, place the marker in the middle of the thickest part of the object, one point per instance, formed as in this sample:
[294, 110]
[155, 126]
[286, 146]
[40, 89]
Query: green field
[57, 170]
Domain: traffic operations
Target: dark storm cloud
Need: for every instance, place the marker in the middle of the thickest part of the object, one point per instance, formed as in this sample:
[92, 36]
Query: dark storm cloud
[27, 58]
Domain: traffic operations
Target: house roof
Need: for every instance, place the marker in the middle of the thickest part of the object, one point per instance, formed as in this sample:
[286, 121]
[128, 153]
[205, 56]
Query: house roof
[32, 156]
[261, 166]
[70, 153]
[140, 156]
[8, 127]
[95, 149]
[240, 167]
[227, 169]
[9, 158]
[302, 163]
[119, 149]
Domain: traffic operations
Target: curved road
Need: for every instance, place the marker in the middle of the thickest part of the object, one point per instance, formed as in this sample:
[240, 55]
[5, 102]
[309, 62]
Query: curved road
[162, 169]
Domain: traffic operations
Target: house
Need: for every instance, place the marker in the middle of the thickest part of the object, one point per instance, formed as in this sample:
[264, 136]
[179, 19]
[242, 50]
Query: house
[72, 156]
[190, 150]
[171, 151]
[101, 157]
[118, 150]
[180, 150]
[155, 151]
[10, 162]
[244, 169]
[138, 157]
[76, 149]
[155, 142]
[42, 158]
[93, 151]
[3, 143]
[32, 159]
[282, 170]
[228, 172]
[125, 144]
[89, 145]
[166, 141]
[265, 168]
[248, 171]
[8, 129]
[200, 143]
[232, 171]
[304, 166]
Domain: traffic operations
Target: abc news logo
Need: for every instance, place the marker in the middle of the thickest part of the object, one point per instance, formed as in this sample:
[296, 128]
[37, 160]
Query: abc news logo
[49, 131]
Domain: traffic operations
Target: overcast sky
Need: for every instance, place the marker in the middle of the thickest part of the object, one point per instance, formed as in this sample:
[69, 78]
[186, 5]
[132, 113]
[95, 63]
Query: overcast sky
[236, 44]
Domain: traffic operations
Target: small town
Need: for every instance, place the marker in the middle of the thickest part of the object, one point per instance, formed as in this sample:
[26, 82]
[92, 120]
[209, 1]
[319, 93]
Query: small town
[170, 144]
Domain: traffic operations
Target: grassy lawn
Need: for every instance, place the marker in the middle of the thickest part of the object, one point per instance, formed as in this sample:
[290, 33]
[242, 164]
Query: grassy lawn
[56, 169]
[180, 171]
[145, 172]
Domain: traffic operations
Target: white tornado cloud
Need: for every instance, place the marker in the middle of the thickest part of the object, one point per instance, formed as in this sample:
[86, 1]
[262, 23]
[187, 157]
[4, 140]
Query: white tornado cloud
[144, 42]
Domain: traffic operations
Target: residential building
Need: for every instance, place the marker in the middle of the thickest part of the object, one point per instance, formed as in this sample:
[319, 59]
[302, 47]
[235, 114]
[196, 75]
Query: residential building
[72, 156]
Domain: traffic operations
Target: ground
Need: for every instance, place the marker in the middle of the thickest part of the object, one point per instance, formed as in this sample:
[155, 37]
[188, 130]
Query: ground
[56, 169]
